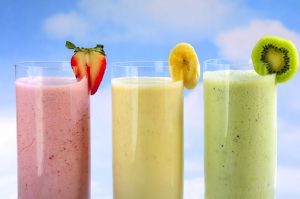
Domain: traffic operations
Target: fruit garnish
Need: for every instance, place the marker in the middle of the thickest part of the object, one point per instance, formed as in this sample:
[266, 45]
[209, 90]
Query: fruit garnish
[275, 55]
[90, 62]
[184, 65]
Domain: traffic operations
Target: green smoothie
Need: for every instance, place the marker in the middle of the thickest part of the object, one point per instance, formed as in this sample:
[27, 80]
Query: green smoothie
[240, 135]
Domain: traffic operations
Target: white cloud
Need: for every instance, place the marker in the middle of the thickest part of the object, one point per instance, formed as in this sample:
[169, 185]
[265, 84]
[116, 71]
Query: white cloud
[193, 118]
[99, 190]
[193, 108]
[288, 95]
[194, 166]
[194, 188]
[237, 43]
[8, 156]
[189, 14]
[288, 180]
[8, 186]
[101, 143]
[150, 21]
[288, 140]
[101, 118]
[64, 25]
[8, 143]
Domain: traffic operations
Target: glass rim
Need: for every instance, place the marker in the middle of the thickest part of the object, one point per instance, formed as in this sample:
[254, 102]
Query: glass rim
[227, 62]
[43, 64]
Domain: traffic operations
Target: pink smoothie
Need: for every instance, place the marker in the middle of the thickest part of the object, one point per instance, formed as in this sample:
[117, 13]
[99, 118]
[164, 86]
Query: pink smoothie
[53, 127]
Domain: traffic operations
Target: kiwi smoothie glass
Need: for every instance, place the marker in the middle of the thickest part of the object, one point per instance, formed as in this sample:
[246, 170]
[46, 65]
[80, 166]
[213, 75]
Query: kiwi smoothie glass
[147, 109]
[240, 131]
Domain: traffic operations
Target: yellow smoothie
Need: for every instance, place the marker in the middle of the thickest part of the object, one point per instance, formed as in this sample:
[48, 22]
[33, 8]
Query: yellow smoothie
[147, 138]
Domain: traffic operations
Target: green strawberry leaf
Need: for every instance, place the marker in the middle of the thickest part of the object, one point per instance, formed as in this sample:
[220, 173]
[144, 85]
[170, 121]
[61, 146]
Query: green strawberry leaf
[70, 45]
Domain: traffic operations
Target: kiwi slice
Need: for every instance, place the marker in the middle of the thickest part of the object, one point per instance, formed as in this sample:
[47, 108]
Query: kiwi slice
[273, 54]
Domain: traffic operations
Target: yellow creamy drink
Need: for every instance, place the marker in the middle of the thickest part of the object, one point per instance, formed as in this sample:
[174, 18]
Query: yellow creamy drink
[147, 138]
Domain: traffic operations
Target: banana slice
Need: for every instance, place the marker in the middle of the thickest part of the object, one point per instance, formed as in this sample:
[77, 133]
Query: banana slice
[184, 65]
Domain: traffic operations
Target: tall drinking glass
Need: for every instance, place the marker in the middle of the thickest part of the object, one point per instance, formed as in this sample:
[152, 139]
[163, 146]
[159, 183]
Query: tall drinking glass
[53, 132]
[240, 131]
[147, 109]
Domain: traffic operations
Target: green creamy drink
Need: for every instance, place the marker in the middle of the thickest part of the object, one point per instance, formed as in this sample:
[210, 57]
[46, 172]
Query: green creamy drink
[147, 138]
[240, 135]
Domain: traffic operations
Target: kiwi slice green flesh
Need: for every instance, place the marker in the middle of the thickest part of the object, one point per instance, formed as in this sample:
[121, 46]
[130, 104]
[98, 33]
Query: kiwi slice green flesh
[275, 55]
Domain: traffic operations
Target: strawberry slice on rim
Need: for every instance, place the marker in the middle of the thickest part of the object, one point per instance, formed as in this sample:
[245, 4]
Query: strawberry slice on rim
[90, 62]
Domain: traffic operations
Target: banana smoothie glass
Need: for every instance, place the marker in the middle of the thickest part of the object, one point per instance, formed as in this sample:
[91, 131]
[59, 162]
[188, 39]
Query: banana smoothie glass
[147, 109]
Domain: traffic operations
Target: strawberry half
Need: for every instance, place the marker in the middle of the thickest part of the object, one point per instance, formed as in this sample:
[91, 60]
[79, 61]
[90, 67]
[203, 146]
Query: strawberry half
[78, 64]
[90, 62]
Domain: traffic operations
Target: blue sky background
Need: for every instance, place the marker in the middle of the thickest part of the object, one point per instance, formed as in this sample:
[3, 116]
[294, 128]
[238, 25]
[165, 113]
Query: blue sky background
[147, 30]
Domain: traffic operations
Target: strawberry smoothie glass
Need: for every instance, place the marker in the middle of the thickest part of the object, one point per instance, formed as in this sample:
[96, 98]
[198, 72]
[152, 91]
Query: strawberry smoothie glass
[53, 132]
